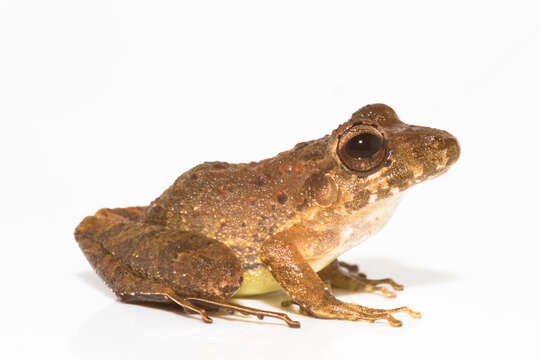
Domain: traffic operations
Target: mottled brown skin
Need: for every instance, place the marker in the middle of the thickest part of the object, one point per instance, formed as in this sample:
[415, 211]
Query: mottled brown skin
[191, 264]
[221, 229]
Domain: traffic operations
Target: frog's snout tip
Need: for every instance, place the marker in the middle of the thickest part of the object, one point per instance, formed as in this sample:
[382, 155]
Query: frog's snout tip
[438, 151]
[445, 147]
[453, 149]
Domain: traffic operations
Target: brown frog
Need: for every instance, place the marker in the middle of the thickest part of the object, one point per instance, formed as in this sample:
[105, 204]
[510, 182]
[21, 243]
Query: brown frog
[224, 230]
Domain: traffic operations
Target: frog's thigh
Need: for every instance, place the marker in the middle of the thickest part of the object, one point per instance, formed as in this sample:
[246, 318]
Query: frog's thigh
[118, 276]
[138, 261]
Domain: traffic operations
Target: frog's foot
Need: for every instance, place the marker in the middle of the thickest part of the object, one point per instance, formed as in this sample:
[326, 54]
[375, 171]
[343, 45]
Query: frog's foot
[345, 276]
[201, 306]
[361, 282]
[349, 311]
[164, 296]
[188, 306]
[231, 308]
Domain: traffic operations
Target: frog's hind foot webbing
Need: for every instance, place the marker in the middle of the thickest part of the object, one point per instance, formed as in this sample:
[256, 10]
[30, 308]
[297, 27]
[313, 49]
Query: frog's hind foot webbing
[231, 308]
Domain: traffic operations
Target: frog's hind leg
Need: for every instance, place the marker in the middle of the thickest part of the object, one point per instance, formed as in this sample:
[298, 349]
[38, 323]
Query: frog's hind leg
[345, 276]
[151, 264]
[167, 297]
[123, 281]
[201, 306]
[231, 308]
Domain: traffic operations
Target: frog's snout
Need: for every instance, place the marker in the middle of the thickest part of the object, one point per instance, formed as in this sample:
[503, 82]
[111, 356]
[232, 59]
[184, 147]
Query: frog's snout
[424, 153]
[442, 150]
[450, 146]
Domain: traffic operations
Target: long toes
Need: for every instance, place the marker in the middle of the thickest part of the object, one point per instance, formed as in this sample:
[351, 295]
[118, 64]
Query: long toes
[384, 291]
[205, 317]
[414, 314]
[395, 285]
[406, 309]
[262, 313]
[392, 283]
[393, 321]
[291, 323]
[372, 317]
[231, 308]
[201, 312]
[388, 312]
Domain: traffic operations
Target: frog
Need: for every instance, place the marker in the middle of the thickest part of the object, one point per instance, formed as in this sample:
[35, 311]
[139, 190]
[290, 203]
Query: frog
[224, 231]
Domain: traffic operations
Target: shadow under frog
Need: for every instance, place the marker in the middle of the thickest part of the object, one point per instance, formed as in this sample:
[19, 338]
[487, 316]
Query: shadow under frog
[224, 230]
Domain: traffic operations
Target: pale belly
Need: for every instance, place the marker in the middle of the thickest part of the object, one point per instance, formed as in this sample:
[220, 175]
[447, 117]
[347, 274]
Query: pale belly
[357, 228]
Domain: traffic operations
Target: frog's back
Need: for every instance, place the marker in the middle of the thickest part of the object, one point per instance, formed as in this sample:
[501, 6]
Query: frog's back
[228, 202]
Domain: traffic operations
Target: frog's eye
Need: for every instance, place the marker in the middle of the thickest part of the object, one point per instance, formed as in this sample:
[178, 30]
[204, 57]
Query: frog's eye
[362, 148]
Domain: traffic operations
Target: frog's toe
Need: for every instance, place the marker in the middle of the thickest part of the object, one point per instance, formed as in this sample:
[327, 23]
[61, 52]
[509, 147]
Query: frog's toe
[379, 289]
[371, 285]
[361, 277]
[355, 312]
[346, 276]
[371, 315]
[232, 308]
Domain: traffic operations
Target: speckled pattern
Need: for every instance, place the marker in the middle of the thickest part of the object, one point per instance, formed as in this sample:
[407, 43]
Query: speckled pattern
[283, 218]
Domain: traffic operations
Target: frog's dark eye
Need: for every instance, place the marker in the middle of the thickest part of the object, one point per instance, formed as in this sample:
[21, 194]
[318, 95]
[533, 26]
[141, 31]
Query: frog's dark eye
[363, 145]
[362, 148]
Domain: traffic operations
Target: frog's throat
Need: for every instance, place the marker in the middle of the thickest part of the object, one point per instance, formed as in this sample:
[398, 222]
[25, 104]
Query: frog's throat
[364, 223]
[360, 226]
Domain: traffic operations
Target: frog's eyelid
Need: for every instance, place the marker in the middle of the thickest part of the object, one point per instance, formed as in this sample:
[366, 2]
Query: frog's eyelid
[347, 132]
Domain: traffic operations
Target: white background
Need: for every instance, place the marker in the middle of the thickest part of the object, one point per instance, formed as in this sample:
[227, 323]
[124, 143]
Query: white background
[105, 103]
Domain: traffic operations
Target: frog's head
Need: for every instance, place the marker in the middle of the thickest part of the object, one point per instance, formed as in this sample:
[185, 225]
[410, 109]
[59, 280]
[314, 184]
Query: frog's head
[379, 155]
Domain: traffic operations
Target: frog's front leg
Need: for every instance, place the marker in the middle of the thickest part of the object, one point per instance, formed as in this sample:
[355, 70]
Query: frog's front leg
[307, 289]
[344, 276]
